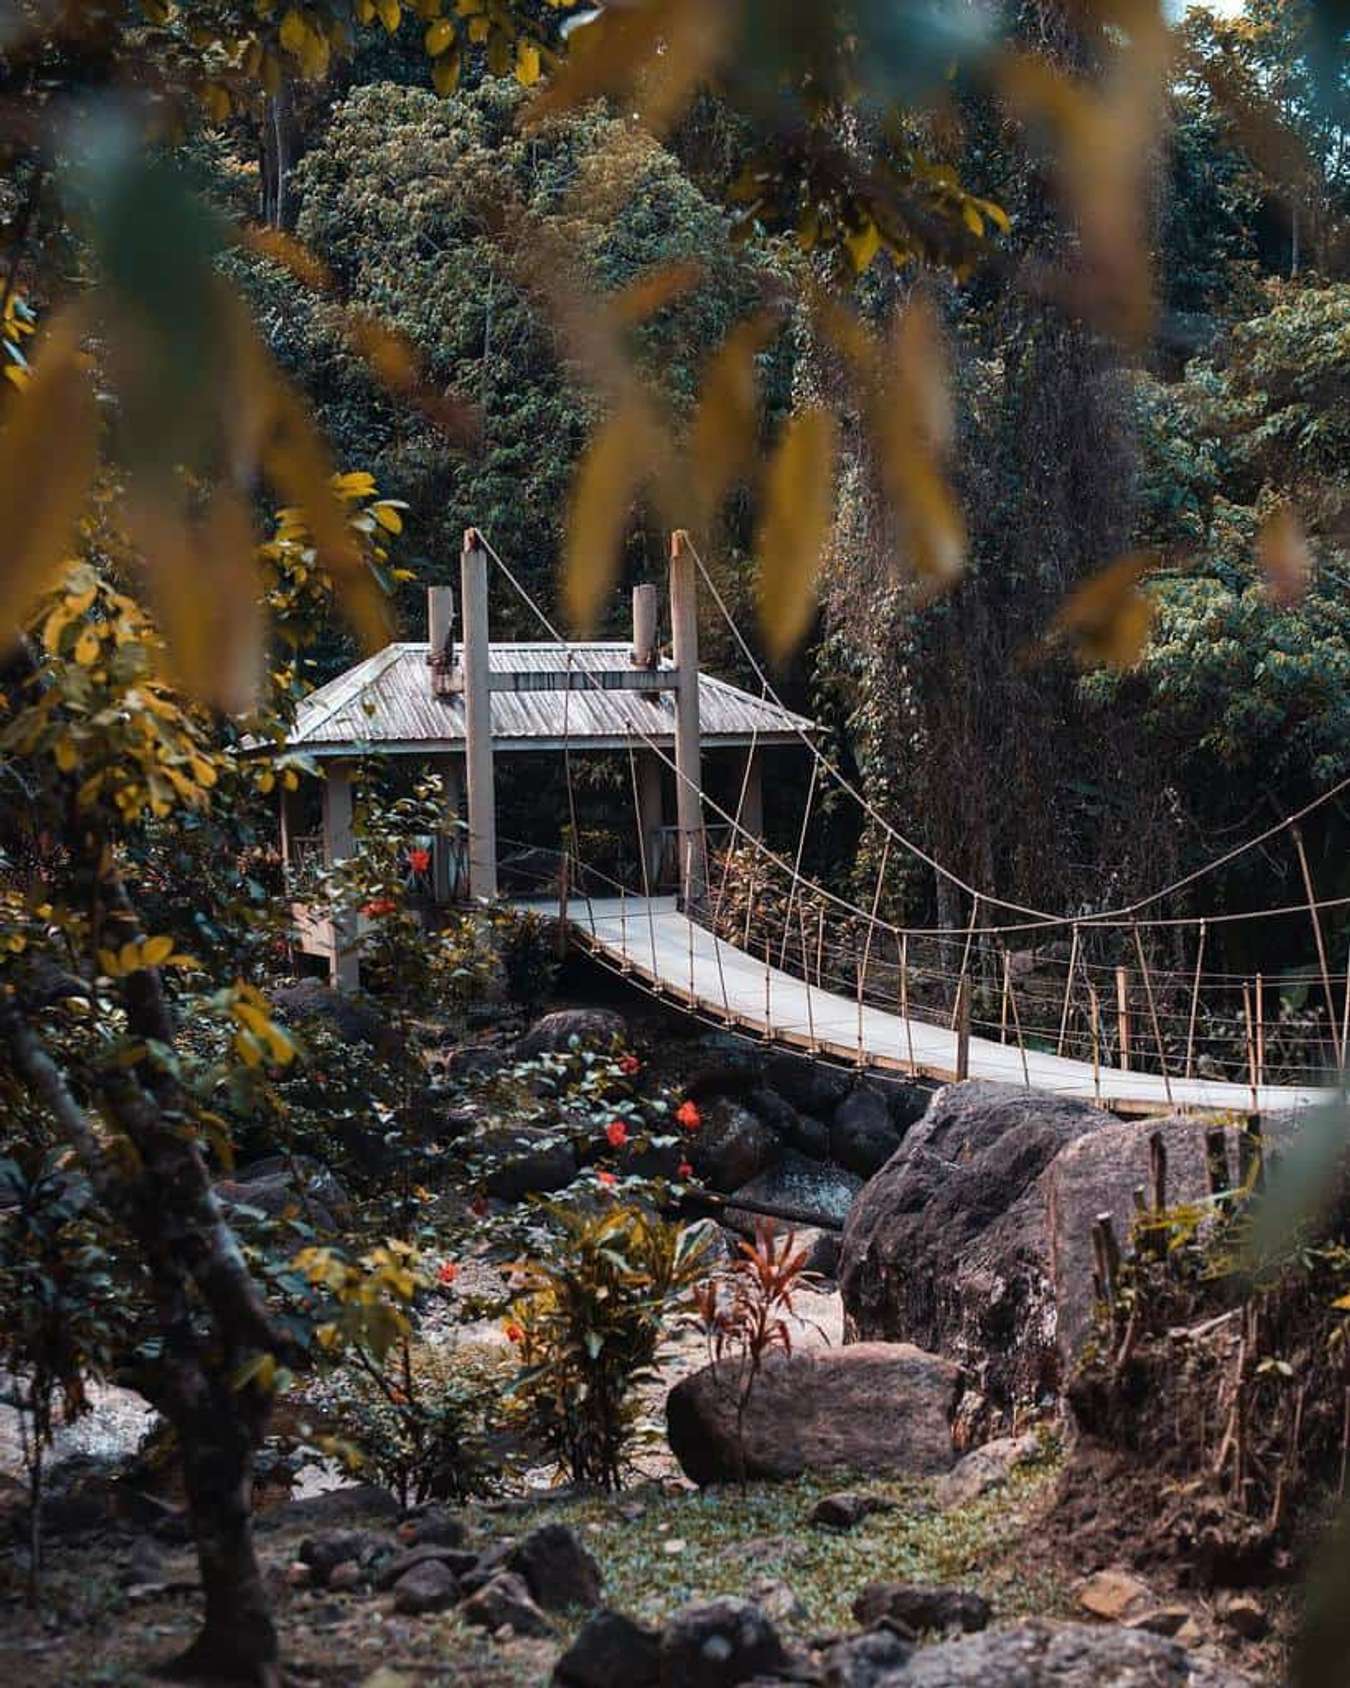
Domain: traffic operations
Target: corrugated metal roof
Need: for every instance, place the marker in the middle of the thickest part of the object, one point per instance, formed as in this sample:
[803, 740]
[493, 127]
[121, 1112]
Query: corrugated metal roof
[386, 703]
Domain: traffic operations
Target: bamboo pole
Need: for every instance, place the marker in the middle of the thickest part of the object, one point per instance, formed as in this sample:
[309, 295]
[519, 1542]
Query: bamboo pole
[867, 947]
[1123, 1015]
[965, 953]
[1153, 1014]
[1003, 1008]
[963, 1027]
[1195, 1003]
[1252, 1078]
[1068, 991]
[1336, 1044]
[1261, 1029]
[1095, 1008]
[1021, 1046]
[904, 997]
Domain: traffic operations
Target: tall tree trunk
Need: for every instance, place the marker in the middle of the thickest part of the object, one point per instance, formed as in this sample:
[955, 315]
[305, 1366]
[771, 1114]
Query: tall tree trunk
[280, 152]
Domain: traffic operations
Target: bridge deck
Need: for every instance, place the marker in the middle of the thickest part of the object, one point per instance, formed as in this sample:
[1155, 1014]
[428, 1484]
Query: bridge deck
[653, 940]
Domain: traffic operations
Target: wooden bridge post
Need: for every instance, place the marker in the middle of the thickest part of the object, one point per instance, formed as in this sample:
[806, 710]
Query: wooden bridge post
[962, 1018]
[481, 779]
[688, 773]
[1123, 1015]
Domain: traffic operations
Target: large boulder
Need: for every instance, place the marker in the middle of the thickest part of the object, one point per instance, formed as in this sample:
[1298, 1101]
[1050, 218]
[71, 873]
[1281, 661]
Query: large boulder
[863, 1135]
[811, 1086]
[526, 1161]
[591, 1028]
[798, 1131]
[278, 1183]
[1099, 1173]
[354, 1018]
[732, 1146]
[882, 1407]
[559, 1570]
[1041, 1654]
[947, 1245]
[799, 1183]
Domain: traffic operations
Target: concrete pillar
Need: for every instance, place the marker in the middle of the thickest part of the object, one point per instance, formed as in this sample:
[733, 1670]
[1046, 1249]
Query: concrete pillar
[651, 812]
[688, 766]
[478, 722]
[290, 828]
[644, 627]
[752, 804]
[440, 637]
[338, 845]
[450, 843]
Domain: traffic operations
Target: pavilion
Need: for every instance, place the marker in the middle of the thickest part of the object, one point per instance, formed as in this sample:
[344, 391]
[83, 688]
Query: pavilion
[455, 708]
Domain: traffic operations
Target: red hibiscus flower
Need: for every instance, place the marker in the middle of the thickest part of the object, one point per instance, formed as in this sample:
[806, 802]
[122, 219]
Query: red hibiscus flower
[448, 1272]
[688, 1116]
[616, 1132]
[684, 1170]
[629, 1065]
[514, 1333]
[419, 860]
[378, 906]
[607, 1178]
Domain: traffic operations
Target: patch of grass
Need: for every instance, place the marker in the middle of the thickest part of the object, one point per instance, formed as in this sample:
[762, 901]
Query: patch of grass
[733, 1539]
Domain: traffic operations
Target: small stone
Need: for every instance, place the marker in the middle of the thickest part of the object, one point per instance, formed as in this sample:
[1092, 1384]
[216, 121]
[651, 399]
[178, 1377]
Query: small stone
[298, 1575]
[983, 1469]
[846, 1510]
[434, 1526]
[865, 1661]
[428, 1587]
[719, 1643]
[346, 1576]
[1114, 1596]
[324, 1553]
[457, 1560]
[678, 1545]
[1244, 1616]
[777, 1600]
[1161, 1620]
[610, 1650]
[505, 1599]
[557, 1568]
[922, 1606]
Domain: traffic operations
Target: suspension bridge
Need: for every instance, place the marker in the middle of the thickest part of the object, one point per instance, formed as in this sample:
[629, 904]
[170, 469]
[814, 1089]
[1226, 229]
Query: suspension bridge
[1085, 1006]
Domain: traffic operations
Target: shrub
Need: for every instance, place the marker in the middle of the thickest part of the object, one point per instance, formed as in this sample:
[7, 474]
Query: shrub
[589, 1323]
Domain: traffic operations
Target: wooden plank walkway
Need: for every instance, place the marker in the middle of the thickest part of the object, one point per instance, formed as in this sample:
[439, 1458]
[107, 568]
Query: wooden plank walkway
[685, 963]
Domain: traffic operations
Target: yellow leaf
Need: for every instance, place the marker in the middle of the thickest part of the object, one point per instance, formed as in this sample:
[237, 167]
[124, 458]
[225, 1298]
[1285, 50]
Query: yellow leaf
[48, 453]
[292, 254]
[107, 963]
[527, 64]
[294, 31]
[203, 772]
[1108, 617]
[445, 73]
[87, 647]
[247, 1049]
[610, 473]
[66, 755]
[439, 36]
[722, 439]
[798, 509]
[654, 289]
[390, 14]
[1282, 551]
[863, 245]
[388, 517]
[972, 218]
[156, 951]
[129, 957]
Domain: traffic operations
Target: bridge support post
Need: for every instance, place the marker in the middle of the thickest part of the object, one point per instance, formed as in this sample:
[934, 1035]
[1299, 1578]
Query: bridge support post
[478, 722]
[338, 845]
[688, 771]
